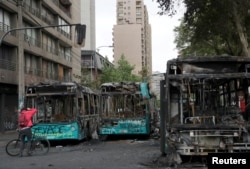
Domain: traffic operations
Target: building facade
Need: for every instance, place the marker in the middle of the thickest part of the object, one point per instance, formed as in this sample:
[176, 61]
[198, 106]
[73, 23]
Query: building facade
[132, 35]
[35, 55]
[88, 18]
[92, 65]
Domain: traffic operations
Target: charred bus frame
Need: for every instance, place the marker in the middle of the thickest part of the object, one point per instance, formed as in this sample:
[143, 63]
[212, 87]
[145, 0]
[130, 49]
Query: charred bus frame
[66, 110]
[205, 105]
[127, 109]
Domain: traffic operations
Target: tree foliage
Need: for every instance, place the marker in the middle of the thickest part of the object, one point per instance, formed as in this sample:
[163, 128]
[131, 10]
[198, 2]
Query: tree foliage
[212, 26]
[123, 72]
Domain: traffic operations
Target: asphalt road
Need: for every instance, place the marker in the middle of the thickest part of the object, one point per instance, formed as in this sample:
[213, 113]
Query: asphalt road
[112, 154]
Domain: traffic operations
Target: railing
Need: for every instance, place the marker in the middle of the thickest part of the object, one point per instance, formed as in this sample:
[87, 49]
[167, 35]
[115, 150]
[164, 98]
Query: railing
[8, 65]
[6, 28]
[38, 14]
[47, 19]
[45, 74]
[48, 48]
[32, 41]
[57, 3]
[87, 64]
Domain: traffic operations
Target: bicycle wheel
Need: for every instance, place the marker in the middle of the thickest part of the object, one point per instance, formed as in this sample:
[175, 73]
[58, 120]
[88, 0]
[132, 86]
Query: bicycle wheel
[12, 148]
[40, 146]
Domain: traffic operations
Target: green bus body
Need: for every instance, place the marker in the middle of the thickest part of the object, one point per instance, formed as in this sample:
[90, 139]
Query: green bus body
[130, 127]
[59, 131]
[127, 109]
[66, 110]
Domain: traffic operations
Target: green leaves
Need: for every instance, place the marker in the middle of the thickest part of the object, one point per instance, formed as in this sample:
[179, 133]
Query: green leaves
[123, 72]
[212, 27]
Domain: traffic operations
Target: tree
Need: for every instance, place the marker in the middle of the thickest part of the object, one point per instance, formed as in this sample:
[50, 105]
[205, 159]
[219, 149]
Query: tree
[123, 72]
[221, 25]
[85, 78]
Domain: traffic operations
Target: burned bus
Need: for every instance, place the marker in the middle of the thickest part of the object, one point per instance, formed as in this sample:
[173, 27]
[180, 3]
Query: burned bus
[205, 105]
[127, 108]
[66, 110]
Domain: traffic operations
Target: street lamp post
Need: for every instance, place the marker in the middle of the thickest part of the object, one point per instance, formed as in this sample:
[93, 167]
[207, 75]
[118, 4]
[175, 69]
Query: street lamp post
[98, 48]
[21, 82]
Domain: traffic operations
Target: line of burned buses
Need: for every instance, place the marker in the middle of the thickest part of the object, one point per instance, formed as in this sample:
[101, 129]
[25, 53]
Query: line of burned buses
[67, 110]
[204, 107]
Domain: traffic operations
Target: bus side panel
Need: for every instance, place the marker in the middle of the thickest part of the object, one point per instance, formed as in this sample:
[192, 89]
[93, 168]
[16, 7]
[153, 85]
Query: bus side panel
[128, 126]
[59, 131]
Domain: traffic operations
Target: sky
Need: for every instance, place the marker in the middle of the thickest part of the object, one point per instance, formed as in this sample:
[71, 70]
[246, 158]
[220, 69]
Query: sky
[163, 47]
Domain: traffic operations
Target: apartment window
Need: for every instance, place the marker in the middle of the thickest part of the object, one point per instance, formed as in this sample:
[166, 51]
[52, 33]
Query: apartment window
[65, 52]
[138, 11]
[120, 10]
[7, 58]
[67, 74]
[32, 65]
[50, 70]
[65, 7]
[33, 4]
[49, 43]
[31, 35]
[65, 30]
[138, 2]
[47, 16]
[4, 20]
[120, 21]
[120, 14]
[138, 20]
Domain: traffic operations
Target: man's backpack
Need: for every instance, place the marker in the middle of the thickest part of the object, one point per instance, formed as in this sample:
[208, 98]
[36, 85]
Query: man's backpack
[23, 122]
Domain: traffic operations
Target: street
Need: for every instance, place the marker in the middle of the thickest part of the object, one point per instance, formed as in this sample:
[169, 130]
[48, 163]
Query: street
[112, 154]
[94, 154]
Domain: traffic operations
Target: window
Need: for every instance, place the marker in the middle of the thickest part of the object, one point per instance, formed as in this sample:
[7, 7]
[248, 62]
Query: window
[31, 35]
[47, 16]
[64, 29]
[138, 20]
[49, 43]
[4, 20]
[138, 2]
[65, 53]
[138, 11]
[32, 65]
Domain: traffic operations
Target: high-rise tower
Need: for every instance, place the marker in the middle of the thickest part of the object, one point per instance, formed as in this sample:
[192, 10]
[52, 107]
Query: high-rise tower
[132, 35]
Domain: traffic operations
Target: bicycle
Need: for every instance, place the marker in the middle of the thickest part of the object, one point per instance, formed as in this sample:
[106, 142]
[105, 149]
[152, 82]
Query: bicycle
[39, 145]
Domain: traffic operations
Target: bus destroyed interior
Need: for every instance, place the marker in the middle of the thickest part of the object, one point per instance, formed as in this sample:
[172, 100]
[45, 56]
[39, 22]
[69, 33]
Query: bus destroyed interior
[127, 109]
[206, 105]
[66, 110]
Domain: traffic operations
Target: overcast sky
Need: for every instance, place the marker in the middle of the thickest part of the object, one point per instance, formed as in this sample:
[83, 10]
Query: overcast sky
[163, 47]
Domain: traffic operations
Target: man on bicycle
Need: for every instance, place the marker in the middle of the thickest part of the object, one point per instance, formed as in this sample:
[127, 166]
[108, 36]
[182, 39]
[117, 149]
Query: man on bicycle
[25, 123]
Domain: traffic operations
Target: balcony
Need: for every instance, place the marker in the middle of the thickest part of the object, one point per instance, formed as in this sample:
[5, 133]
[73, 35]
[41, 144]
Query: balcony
[8, 65]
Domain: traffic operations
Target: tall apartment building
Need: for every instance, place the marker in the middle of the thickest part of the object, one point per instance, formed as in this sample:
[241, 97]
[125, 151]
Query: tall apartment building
[49, 54]
[88, 19]
[132, 35]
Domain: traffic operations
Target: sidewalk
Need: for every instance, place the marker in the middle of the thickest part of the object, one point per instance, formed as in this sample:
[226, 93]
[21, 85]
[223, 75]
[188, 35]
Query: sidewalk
[6, 136]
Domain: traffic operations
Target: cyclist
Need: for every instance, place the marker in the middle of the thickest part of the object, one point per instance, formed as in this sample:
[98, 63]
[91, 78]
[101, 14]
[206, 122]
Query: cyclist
[25, 128]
